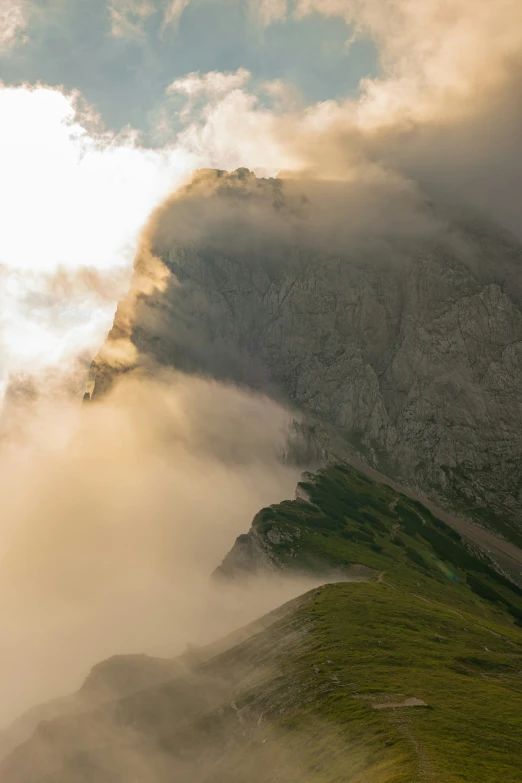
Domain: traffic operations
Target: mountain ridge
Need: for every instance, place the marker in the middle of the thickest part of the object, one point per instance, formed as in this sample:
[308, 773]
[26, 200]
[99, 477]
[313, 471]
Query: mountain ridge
[402, 338]
[391, 678]
[393, 328]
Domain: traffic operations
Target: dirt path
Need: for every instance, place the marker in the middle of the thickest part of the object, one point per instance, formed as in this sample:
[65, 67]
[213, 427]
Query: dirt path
[380, 580]
[506, 554]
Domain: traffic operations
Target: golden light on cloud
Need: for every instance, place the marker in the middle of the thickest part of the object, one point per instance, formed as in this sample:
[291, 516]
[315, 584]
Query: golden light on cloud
[69, 202]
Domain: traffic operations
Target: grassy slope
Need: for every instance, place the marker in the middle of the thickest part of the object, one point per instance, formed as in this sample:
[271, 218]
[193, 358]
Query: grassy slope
[440, 624]
[296, 701]
[369, 645]
[352, 519]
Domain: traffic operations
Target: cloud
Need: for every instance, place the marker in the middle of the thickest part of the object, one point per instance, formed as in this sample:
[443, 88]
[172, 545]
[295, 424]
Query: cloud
[72, 206]
[443, 112]
[174, 12]
[13, 21]
[210, 86]
[129, 17]
[213, 84]
[434, 54]
[233, 128]
[269, 11]
[114, 517]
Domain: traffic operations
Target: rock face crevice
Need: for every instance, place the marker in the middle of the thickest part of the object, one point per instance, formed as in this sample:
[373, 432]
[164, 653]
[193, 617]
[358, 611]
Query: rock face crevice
[406, 343]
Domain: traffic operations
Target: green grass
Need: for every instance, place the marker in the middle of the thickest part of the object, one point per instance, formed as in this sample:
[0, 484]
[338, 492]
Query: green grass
[441, 625]
[296, 699]
[351, 519]
[366, 645]
[296, 703]
[379, 642]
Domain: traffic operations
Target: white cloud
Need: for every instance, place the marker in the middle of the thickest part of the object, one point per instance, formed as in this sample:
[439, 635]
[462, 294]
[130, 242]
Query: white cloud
[174, 11]
[211, 86]
[13, 20]
[269, 11]
[129, 16]
[69, 202]
[233, 131]
[445, 109]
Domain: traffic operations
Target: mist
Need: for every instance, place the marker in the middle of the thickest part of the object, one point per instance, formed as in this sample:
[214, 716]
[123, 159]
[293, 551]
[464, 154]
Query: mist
[114, 516]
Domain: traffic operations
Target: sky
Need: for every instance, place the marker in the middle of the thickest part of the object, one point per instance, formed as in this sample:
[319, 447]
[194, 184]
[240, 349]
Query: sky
[123, 55]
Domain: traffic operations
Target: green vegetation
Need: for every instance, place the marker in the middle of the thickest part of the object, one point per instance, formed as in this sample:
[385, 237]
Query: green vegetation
[367, 646]
[351, 519]
[435, 624]
[414, 675]
[352, 683]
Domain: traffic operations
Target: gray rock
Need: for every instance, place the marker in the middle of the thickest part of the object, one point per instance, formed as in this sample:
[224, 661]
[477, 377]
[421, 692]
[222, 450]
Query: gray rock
[251, 554]
[402, 347]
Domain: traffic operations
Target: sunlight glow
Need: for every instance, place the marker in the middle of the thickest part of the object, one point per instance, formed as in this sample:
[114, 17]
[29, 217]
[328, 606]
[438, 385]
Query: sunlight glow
[69, 201]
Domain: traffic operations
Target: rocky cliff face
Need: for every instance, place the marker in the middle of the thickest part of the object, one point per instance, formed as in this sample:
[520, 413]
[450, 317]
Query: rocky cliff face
[394, 326]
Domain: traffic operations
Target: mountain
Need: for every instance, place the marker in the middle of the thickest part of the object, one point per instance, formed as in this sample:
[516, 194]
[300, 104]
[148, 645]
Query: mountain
[392, 325]
[344, 521]
[108, 680]
[410, 673]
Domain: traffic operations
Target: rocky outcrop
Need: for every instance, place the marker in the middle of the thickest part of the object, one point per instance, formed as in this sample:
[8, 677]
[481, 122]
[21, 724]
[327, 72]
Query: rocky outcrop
[402, 344]
[251, 554]
[255, 552]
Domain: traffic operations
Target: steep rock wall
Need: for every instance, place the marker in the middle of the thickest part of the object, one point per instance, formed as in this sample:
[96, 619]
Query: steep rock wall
[393, 325]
